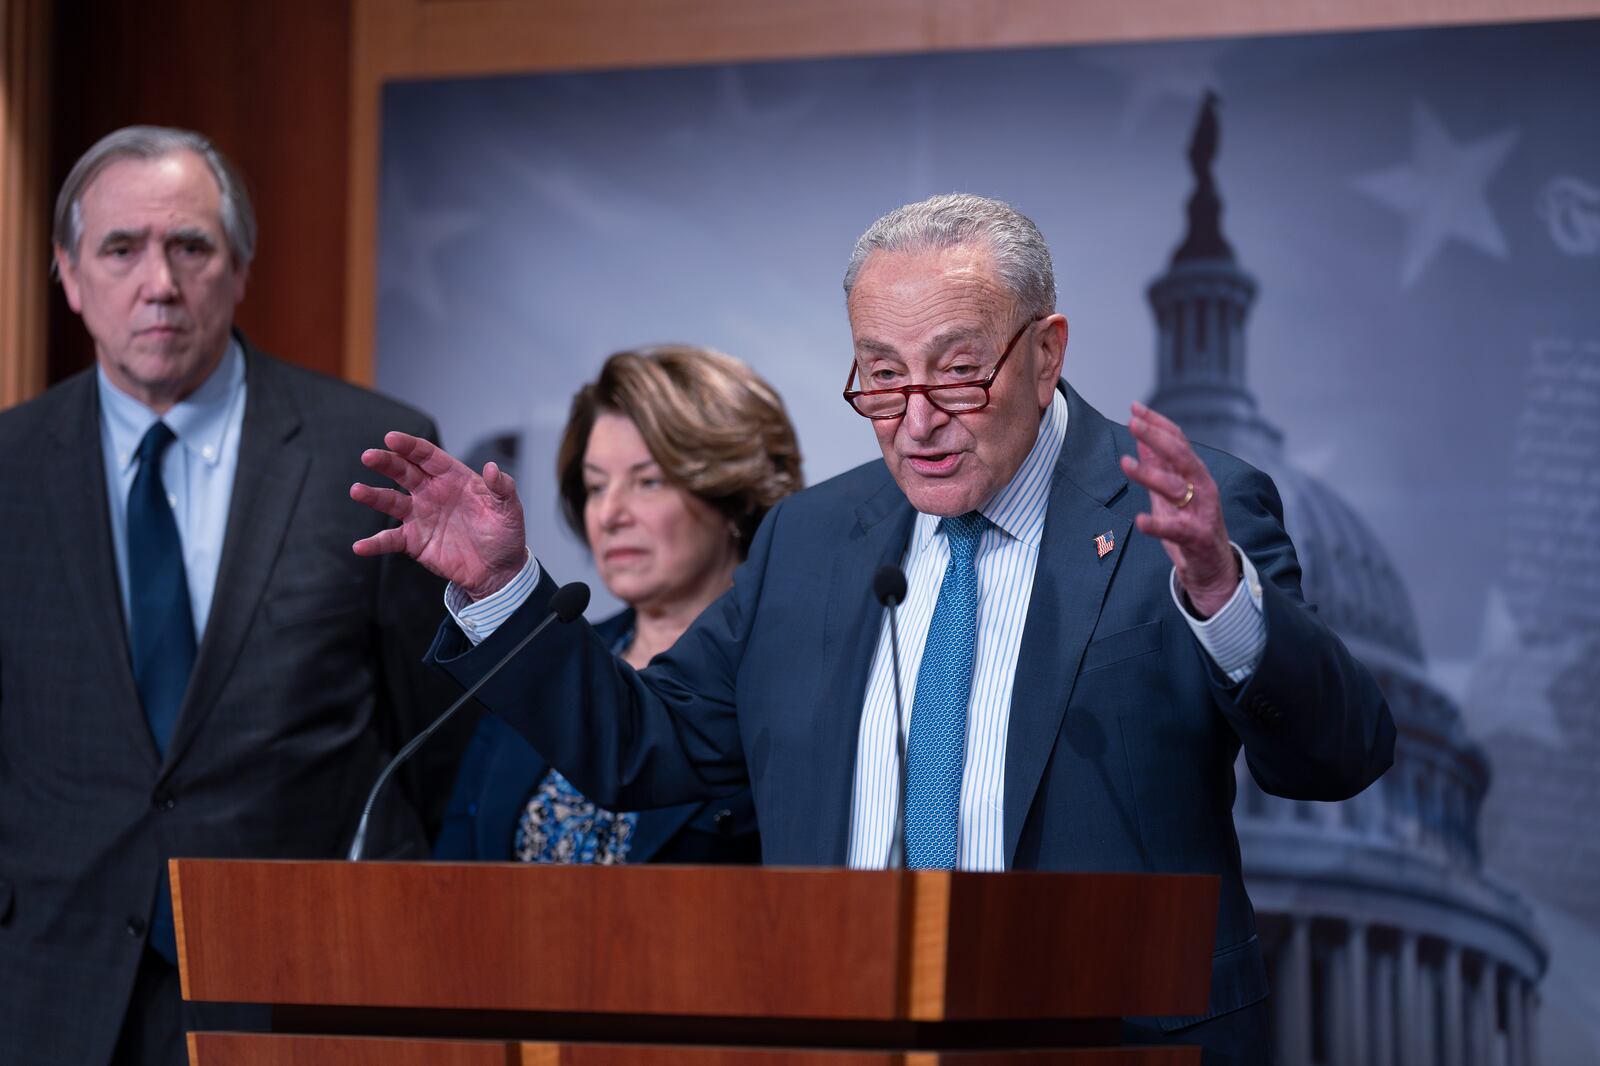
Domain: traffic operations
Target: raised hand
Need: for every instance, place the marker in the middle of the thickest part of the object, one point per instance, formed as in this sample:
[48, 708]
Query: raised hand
[464, 527]
[1185, 510]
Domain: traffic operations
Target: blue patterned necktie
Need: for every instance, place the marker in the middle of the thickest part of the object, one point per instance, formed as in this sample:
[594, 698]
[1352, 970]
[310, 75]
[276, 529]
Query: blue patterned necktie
[161, 623]
[936, 745]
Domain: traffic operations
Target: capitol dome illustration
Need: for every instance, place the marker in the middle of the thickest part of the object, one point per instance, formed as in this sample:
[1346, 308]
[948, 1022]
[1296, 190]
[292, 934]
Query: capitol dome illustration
[1385, 940]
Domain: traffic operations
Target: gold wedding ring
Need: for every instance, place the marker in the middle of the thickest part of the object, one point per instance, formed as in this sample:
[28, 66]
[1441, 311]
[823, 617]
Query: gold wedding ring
[1188, 494]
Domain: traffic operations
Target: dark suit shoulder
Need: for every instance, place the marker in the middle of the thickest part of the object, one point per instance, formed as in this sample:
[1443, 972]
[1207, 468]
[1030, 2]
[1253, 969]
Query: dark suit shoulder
[843, 492]
[23, 423]
[332, 406]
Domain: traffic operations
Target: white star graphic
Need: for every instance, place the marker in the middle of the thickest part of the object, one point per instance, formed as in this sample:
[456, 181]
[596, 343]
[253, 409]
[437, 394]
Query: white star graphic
[1181, 71]
[1442, 191]
[411, 238]
[1509, 687]
[740, 108]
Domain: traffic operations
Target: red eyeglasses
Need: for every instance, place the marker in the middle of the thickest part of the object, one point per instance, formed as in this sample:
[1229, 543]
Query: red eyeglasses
[957, 397]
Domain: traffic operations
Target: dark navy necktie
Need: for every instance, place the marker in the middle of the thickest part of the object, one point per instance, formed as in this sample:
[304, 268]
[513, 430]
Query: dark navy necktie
[936, 744]
[161, 623]
[161, 626]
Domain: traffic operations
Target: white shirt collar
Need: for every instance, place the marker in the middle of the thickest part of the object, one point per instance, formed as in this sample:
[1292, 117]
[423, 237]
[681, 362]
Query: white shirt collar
[1018, 509]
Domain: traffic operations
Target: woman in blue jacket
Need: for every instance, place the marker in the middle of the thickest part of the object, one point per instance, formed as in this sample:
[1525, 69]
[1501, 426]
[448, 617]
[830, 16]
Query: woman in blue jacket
[667, 465]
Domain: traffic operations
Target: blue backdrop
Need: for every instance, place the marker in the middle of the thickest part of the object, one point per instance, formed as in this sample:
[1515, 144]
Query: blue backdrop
[1421, 210]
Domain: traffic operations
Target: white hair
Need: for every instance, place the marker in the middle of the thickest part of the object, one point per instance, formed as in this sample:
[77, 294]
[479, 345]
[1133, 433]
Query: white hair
[1020, 254]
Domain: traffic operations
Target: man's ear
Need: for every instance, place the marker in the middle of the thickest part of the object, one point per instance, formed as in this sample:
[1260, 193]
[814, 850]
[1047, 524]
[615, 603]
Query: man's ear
[1052, 355]
[67, 271]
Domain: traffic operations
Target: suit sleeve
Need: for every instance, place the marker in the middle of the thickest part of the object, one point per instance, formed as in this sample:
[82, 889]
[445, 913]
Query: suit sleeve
[1313, 722]
[629, 740]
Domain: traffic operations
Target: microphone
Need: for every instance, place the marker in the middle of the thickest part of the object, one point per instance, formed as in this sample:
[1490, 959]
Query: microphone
[889, 585]
[568, 603]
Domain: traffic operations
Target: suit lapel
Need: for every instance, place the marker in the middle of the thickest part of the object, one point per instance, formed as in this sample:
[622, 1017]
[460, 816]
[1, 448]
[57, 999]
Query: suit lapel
[75, 476]
[514, 771]
[1069, 587]
[878, 538]
[270, 473]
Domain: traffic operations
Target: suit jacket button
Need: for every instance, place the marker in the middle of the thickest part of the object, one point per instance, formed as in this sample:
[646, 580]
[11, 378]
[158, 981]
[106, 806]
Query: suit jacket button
[163, 800]
[724, 822]
[136, 926]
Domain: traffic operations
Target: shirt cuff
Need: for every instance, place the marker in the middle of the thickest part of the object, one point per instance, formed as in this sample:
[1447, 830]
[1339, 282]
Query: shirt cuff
[479, 619]
[1236, 636]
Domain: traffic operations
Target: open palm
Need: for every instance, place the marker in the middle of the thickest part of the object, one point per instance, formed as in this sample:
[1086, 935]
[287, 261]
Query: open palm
[465, 527]
[1185, 510]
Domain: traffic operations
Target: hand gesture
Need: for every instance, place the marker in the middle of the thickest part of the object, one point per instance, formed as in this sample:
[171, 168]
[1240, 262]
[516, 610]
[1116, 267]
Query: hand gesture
[463, 527]
[1185, 510]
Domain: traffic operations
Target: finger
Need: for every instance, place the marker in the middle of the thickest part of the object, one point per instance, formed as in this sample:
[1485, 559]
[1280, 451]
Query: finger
[1153, 461]
[499, 483]
[401, 471]
[1156, 418]
[404, 444]
[1164, 483]
[1150, 457]
[1168, 442]
[384, 542]
[432, 459]
[1175, 528]
[391, 502]
[1171, 445]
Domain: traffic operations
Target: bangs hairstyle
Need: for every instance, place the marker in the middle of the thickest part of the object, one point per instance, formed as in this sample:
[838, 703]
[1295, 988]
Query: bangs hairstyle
[711, 423]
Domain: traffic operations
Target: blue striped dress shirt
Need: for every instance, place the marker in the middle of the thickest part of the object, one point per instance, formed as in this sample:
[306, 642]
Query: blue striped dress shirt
[1008, 555]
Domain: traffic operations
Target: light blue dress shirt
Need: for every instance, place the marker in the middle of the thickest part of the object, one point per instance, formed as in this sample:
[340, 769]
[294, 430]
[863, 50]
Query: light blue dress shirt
[198, 476]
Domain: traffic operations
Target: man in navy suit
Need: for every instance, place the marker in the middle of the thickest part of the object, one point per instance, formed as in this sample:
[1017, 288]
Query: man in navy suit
[1098, 617]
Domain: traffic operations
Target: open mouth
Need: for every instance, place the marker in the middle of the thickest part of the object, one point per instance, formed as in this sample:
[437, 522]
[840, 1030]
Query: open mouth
[935, 464]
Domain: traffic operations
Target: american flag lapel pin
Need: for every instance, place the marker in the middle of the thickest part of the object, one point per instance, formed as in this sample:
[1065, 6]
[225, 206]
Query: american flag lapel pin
[1104, 543]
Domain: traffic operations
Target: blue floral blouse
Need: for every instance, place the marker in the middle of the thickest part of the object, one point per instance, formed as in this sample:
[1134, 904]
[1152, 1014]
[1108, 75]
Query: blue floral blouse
[560, 825]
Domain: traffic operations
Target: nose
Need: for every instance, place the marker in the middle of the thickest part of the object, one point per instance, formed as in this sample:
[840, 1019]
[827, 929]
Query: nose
[922, 419]
[160, 284]
[612, 507]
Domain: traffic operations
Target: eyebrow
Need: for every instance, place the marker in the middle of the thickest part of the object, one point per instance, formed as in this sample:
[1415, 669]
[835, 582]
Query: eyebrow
[939, 343]
[139, 236]
[124, 236]
[640, 465]
[190, 233]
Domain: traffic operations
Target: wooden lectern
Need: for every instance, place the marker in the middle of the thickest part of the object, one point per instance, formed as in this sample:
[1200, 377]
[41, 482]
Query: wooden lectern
[412, 963]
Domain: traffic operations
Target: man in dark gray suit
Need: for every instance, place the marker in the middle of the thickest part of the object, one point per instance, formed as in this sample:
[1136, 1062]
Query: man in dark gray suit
[192, 662]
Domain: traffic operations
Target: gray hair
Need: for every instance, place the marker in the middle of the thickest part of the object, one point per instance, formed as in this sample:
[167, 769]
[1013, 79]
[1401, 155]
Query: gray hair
[155, 142]
[1020, 254]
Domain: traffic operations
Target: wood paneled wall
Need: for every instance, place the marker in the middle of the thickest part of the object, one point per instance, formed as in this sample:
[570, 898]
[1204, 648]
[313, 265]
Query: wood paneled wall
[24, 145]
[268, 82]
[291, 90]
